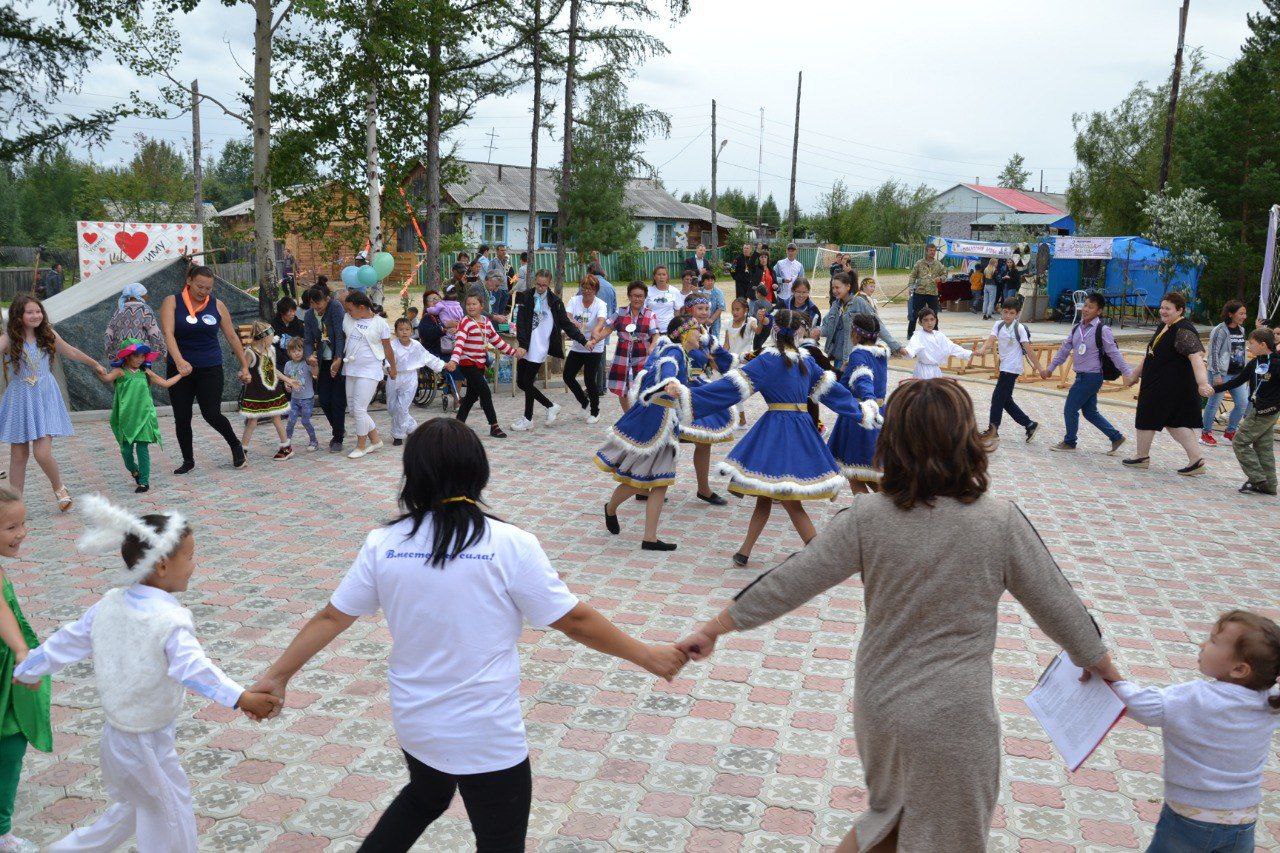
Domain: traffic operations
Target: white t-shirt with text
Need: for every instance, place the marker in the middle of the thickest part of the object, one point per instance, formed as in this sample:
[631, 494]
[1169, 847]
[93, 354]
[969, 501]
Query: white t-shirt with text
[586, 318]
[454, 669]
[540, 335]
[664, 304]
[1010, 348]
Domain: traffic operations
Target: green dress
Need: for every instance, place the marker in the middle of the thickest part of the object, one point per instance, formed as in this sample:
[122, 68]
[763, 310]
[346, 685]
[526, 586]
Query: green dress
[26, 712]
[133, 413]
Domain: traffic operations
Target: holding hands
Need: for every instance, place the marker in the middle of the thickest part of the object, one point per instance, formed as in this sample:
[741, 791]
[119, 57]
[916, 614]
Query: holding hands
[259, 706]
[664, 661]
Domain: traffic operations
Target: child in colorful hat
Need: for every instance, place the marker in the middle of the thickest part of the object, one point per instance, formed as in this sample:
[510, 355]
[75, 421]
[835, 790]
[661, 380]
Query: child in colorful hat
[133, 413]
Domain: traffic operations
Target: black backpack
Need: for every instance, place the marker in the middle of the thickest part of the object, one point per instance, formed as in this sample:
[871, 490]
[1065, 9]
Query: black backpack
[1110, 372]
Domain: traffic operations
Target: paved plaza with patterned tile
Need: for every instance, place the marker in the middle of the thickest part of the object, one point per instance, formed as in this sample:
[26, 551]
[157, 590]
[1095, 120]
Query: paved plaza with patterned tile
[752, 750]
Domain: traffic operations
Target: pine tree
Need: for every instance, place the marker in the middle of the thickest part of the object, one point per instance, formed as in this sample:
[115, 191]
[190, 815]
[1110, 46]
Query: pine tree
[1014, 176]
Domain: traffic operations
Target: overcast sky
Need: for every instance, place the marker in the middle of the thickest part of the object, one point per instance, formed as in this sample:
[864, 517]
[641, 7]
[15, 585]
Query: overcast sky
[923, 91]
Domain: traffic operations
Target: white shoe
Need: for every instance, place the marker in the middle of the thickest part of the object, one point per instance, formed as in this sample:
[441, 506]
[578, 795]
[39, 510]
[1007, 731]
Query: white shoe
[377, 445]
[592, 418]
[10, 843]
[521, 424]
[552, 412]
[357, 453]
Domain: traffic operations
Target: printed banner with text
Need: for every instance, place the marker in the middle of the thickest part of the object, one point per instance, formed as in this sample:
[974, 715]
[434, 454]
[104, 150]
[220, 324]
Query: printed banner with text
[1082, 248]
[104, 244]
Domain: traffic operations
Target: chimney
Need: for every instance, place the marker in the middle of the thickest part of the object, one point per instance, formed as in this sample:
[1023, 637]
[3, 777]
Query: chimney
[499, 173]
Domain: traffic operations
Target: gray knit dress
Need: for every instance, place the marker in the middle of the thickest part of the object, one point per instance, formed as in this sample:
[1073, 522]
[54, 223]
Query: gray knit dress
[924, 716]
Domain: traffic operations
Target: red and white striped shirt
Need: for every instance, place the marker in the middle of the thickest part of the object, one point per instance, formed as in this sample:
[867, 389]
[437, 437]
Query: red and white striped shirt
[469, 342]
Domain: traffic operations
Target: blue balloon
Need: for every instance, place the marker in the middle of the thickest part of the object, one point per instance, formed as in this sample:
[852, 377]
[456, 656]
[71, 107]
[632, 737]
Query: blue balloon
[350, 276]
[366, 276]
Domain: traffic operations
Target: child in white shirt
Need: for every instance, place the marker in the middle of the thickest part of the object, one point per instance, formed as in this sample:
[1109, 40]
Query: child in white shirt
[739, 339]
[931, 348]
[411, 356]
[1217, 736]
[1012, 338]
[145, 652]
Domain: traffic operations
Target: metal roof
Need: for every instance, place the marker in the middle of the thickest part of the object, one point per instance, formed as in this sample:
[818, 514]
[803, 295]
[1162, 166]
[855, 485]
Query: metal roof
[1019, 218]
[483, 189]
[1017, 200]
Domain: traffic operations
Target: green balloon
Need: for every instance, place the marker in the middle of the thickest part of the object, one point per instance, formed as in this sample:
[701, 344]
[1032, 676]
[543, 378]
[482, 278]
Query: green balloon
[366, 276]
[383, 263]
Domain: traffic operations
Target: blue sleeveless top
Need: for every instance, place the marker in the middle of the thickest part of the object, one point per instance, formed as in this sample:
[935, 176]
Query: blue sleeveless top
[198, 341]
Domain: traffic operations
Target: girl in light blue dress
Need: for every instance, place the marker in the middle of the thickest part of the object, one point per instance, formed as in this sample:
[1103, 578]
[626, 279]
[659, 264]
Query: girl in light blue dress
[32, 411]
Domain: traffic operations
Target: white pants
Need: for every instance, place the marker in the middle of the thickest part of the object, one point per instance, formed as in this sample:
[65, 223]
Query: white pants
[400, 393]
[150, 796]
[359, 393]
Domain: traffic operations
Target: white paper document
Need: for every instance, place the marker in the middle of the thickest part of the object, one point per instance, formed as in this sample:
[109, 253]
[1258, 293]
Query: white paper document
[1075, 715]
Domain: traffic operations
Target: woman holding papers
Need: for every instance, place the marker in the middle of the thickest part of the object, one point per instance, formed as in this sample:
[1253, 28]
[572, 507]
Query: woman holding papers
[926, 723]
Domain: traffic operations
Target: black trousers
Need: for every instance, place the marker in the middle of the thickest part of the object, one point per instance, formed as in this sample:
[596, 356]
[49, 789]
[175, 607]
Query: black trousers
[331, 394]
[1002, 401]
[527, 381]
[477, 389]
[589, 364]
[204, 386]
[497, 806]
[915, 303]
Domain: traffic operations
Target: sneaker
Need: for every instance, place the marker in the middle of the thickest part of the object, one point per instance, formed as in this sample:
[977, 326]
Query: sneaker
[396, 442]
[1207, 439]
[1116, 445]
[357, 453]
[142, 488]
[313, 446]
[283, 453]
[1031, 431]
[10, 843]
[1062, 447]
[1195, 469]
[991, 438]
[521, 424]
[1229, 435]
[552, 413]
[592, 419]
[377, 445]
[1247, 489]
[335, 446]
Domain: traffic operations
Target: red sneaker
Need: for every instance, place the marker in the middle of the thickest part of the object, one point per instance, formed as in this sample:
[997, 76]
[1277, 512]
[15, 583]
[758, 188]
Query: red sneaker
[1229, 435]
[1207, 439]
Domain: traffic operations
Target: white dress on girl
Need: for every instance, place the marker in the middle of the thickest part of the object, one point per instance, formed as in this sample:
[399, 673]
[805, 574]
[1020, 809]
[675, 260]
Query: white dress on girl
[145, 652]
[409, 360]
[931, 350]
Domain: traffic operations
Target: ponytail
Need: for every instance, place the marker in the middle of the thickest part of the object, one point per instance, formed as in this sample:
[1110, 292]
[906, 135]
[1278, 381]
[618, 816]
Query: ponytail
[786, 323]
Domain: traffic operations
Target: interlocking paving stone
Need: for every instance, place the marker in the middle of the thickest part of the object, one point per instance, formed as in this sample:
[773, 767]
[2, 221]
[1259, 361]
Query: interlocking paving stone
[753, 750]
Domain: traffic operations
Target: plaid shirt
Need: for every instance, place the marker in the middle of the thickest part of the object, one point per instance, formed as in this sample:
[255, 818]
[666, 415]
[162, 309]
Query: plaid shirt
[633, 347]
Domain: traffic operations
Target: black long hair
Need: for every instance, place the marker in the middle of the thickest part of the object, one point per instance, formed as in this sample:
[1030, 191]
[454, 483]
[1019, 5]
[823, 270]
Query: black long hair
[786, 323]
[444, 460]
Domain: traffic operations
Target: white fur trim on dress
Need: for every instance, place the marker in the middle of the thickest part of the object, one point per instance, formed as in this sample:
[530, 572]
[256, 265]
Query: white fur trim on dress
[859, 371]
[107, 526]
[711, 436]
[877, 349]
[824, 385]
[861, 473]
[783, 489]
[792, 356]
[871, 417]
[636, 381]
[743, 382]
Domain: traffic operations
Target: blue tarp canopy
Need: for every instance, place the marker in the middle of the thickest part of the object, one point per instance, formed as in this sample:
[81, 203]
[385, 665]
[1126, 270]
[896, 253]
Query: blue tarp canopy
[1132, 267]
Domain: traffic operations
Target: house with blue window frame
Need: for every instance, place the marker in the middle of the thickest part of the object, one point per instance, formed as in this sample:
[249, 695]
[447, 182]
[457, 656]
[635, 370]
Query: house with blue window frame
[490, 204]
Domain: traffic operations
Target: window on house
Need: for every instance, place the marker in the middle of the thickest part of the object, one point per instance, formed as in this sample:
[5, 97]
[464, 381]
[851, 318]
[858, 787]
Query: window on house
[547, 234]
[665, 237]
[495, 228]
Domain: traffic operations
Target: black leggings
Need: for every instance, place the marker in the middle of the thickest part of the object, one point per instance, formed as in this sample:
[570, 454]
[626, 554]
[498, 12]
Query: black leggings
[497, 806]
[202, 385]
[526, 381]
[589, 363]
[477, 389]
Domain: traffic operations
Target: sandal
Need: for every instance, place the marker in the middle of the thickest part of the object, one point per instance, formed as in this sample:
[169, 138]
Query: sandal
[64, 499]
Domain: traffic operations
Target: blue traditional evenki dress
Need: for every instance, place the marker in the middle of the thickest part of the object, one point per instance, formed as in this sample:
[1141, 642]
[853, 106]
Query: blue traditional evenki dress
[853, 439]
[782, 456]
[710, 358]
[32, 406]
[641, 449]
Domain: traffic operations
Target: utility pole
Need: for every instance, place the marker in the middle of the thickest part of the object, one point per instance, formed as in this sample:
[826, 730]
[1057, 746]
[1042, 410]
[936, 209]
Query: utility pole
[1042, 180]
[795, 151]
[492, 134]
[759, 166]
[197, 171]
[1167, 154]
[715, 232]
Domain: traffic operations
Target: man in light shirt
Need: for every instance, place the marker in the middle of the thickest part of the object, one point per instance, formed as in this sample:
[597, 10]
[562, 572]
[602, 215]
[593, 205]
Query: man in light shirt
[786, 271]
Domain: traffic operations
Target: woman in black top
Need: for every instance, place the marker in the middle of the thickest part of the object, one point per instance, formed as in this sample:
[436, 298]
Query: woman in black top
[287, 325]
[540, 318]
[1172, 372]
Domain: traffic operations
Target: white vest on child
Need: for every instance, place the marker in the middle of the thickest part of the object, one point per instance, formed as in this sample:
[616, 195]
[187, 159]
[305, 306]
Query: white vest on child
[132, 668]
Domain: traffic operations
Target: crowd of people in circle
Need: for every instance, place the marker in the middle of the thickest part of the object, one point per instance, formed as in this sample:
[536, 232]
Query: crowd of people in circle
[913, 457]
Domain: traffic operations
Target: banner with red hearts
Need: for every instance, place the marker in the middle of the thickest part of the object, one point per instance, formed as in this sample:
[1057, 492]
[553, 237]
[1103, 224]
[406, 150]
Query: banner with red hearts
[104, 244]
